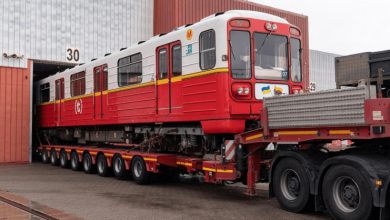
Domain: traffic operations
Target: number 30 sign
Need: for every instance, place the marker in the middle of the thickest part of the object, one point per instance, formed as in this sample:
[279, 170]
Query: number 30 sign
[72, 54]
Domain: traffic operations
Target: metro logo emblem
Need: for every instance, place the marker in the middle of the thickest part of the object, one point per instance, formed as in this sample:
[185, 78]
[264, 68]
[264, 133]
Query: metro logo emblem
[189, 34]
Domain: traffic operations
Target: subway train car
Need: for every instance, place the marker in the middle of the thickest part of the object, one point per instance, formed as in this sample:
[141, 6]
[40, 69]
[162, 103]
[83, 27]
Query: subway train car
[191, 88]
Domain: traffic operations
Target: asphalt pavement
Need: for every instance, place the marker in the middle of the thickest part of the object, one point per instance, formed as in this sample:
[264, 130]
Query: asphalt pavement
[88, 196]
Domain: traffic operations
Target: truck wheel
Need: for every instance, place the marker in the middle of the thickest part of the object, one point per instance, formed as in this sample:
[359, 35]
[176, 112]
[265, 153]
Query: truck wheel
[74, 161]
[118, 167]
[63, 159]
[87, 163]
[291, 185]
[53, 158]
[138, 171]
[102, 166]
[45, 156]
[346, 193]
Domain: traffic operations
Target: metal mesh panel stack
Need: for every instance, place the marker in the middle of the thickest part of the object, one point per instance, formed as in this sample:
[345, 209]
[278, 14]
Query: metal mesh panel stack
[324, 108]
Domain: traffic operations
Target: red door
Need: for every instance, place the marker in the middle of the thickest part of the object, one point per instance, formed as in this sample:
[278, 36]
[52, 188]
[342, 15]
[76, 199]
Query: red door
[163, 88]
[175, 77]
[169, 78]
[59, 96]
[100, 85]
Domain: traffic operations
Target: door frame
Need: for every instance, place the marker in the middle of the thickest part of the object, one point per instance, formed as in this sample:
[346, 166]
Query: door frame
[98, 94]
[168, 81]
[58, 99]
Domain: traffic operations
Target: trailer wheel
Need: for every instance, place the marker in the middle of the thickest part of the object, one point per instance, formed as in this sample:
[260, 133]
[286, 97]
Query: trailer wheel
[138, 170]
[45, 156]
[74, 161]
[87, 163]
[346, 193]
[291, 185]
[118, 167]
[102, 165]
[53, 158]
[63, 159]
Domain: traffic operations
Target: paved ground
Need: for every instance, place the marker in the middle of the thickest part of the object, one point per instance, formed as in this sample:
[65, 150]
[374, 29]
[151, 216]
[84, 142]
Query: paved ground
[93, 197]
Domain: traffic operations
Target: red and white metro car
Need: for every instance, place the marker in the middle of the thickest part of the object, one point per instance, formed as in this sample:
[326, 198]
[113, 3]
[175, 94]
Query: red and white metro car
[195, 86]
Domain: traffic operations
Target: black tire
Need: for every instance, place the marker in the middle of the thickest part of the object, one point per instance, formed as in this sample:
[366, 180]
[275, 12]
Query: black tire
[347, 194]
[88, 164]
[291, 185]
[102, 165]
[74, 161]
[138, 171]
[53, 157]
[45, 156]
[119, 168]
[64, 162]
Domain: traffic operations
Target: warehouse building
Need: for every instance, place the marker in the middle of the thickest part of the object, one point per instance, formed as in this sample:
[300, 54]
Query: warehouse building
[42, 37]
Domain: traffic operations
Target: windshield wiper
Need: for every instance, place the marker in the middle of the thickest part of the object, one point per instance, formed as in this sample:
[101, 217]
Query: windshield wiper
[263, 43]
[231, 49]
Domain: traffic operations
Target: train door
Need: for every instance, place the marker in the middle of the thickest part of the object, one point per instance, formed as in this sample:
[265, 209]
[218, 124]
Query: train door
[169, 78]
[59, 96]
[100, 84]
[163, 88]
[175, 77]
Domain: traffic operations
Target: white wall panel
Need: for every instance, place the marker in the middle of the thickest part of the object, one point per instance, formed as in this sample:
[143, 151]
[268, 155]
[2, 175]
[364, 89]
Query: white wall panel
[43, 29]
[322, 70]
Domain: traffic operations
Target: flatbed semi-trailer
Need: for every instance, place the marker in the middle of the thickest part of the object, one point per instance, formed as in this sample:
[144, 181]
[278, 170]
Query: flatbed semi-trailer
[331, 155]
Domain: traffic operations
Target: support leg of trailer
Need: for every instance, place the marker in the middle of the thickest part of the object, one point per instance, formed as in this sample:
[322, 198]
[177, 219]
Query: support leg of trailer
[251, 177]
[253, 169]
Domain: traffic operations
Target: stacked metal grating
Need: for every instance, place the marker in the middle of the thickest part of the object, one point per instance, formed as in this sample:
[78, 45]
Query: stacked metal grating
[324, 108]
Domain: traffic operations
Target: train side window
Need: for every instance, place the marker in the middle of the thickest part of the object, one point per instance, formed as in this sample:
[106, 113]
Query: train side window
[207, 50]
[96, 79]
[162, 64]
[130, 70]
[77, 84]
[45, 92]
[59, 93]
[176, 60]
[105, 77]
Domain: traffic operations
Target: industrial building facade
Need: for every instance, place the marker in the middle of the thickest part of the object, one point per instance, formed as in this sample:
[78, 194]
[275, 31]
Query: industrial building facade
[42, 37]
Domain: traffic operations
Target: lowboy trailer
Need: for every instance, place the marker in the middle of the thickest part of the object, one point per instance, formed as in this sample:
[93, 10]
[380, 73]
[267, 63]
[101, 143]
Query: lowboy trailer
[327, 151]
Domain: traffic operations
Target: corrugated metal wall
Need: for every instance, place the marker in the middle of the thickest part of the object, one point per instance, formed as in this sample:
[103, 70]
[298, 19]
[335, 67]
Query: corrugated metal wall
[169, 14]
[43, 29]
[322, 70]
[14, 114]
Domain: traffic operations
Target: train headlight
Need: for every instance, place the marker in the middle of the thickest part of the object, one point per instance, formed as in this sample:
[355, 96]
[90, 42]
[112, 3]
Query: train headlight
[246, 91]
[271, 27]
[241, 90]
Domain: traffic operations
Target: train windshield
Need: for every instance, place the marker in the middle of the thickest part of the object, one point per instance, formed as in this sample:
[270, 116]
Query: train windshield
[271, 56]
[240, 58]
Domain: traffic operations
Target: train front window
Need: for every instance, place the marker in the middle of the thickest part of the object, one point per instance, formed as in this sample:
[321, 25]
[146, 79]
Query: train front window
[240, 58]
[271, 57]
[296, 69]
